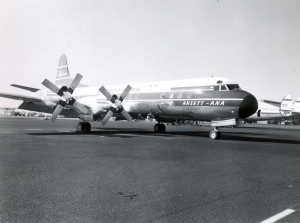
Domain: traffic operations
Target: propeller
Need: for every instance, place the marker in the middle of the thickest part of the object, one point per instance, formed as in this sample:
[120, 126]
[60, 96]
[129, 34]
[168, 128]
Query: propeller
[66, 98]
[116, 104]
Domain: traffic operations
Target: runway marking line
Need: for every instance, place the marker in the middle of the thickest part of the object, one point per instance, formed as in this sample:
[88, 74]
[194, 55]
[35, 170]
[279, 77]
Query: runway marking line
[34, 129]
[279, 216]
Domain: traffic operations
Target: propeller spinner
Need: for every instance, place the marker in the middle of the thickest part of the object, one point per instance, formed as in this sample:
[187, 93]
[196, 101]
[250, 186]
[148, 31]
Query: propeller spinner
[116, 104]
[66, 98]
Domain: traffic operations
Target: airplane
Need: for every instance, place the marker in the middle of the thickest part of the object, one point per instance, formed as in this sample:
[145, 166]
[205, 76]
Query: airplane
[274, 110]
[217, 100]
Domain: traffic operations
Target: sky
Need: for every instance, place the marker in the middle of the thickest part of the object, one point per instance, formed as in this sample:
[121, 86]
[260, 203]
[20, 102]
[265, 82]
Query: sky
[255, 43]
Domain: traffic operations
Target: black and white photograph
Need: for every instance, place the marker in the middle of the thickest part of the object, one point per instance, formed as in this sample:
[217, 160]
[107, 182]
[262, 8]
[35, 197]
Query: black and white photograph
[149, 111]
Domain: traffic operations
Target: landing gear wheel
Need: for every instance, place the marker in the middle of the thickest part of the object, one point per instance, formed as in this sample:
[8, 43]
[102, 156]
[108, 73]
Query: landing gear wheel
[88, 127]
[79, 127]
[159, 128]
[83, 127]
[214, 135]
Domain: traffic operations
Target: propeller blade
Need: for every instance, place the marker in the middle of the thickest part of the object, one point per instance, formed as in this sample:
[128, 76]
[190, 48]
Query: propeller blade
[79, 106]
[105, 92]
[51, 86]
[75, 83]
[56, 112]
[126, 115]
[125, 93]
[107, 117]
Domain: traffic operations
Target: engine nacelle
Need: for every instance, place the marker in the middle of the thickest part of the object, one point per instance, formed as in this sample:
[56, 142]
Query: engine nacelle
[51, 101]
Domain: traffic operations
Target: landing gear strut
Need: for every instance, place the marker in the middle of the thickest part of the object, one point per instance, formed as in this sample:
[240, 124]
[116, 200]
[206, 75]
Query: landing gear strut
[159, 128]
[83, 127]
[215, 134]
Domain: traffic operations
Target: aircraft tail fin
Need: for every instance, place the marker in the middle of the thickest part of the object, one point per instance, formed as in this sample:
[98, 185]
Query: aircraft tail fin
[63, 77]
[286, 106]
[296, 105]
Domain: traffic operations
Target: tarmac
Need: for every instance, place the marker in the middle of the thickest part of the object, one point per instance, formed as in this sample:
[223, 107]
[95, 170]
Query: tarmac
[124, 172]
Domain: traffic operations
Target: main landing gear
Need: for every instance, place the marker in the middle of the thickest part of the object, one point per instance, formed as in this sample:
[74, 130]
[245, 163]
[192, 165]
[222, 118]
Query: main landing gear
[83, 127]
[159, 128]
[215, 134]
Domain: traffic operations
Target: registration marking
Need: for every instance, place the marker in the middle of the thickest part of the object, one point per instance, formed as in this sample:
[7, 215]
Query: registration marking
[279, 216]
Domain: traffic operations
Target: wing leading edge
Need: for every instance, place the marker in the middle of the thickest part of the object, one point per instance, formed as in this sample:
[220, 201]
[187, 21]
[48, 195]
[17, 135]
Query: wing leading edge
[28, 98]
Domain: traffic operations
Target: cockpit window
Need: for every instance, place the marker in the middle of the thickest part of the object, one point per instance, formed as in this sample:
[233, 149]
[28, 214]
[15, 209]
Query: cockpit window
[220, 88]
[223, 88]
[233, 87]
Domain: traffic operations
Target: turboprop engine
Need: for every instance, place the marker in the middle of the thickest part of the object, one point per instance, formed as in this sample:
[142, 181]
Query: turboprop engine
[65, 96]
[116, 104]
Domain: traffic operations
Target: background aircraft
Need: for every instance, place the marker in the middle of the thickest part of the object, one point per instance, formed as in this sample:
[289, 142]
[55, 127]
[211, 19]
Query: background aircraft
[273, 110]
[214, 99]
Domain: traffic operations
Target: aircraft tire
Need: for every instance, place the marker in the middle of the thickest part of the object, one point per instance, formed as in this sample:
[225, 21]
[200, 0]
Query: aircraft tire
[159, 128]
[79, 128]
[156, 128]
[88, 127]
[214, 135]
[163, 128]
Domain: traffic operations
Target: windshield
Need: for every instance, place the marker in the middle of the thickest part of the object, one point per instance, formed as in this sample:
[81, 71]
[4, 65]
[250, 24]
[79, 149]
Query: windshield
[233, 87]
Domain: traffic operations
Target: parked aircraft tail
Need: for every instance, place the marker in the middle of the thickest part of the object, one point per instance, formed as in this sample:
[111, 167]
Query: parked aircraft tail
[63, 77]
[286, 106]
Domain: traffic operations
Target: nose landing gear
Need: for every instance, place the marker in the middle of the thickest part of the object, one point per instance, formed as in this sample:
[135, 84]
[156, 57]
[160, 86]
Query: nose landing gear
[215, 134]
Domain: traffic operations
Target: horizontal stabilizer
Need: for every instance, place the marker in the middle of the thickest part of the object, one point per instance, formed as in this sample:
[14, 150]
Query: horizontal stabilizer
[20, 97]
[286, 106]
[25, 87]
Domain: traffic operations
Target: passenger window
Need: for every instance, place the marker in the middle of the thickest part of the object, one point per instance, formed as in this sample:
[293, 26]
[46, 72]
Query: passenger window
[179, 94]
[189, 94]
[170, 94]
[216, 88]
[162, 95]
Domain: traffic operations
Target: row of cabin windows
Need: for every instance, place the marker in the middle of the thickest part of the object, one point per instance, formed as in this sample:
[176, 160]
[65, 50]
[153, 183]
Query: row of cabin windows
[188, 94]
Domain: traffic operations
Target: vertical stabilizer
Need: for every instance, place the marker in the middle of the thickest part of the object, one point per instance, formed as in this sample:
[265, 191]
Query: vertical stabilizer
[286, 106]
[296, 105]
[63, 77]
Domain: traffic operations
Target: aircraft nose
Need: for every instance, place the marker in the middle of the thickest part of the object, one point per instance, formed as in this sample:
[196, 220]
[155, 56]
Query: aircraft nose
[248, 106]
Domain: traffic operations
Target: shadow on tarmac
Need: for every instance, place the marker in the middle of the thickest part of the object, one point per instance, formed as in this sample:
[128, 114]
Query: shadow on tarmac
[134, 133]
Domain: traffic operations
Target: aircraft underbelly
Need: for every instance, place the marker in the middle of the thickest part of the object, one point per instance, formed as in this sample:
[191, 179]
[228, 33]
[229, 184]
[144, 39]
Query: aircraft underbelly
[169, 109]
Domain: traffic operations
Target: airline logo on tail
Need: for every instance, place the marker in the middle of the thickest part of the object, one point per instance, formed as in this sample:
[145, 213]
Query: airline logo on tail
[286, 106]
[62, 69]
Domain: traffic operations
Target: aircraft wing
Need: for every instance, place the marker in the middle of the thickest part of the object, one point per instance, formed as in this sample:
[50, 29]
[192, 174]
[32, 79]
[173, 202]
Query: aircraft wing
[20, 97]
[275, 103]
